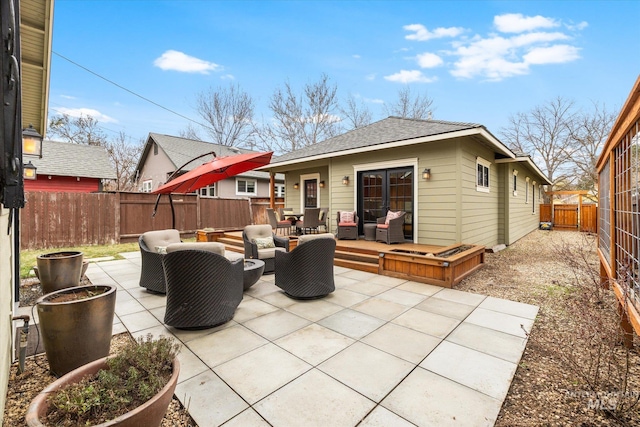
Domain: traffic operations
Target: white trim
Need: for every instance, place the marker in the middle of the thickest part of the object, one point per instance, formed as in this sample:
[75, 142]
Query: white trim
[307, 177]
[411, 162]
[486, 164]
[532, 165]
[247, 180]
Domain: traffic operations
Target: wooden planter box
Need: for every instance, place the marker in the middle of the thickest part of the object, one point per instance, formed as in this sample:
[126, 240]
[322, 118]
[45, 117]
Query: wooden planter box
[433, 269]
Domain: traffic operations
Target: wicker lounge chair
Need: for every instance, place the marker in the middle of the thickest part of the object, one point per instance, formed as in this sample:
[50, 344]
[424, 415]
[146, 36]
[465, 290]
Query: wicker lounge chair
[152, 247]
[307, 271]
[203, 288]
[392, 230]
[260, 233]
[347, 225]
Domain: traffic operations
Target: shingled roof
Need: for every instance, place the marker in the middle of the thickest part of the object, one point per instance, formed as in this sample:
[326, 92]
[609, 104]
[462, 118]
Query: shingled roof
[68, 159]
[388, 130]
[181, 150]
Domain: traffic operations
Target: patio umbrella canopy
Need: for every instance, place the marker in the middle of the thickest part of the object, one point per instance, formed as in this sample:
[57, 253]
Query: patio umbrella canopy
[213, 171]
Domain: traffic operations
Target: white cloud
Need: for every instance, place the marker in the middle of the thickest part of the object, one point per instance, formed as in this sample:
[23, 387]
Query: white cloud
[413, 76]
[421, 33]
[370, 77]
[86, 112]
[518, 23]
[577, 27]
[373, 100]
[228, 77]
[67, 97]
[356, 56]
[429, 60]
[556, 54]
[178, 61]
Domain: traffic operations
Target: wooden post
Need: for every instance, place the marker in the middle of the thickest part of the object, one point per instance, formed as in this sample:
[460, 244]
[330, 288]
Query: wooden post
[625, 326]
[272, 191]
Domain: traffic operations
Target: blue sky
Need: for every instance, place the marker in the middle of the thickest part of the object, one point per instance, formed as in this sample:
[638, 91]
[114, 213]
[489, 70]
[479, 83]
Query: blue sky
[480, 61]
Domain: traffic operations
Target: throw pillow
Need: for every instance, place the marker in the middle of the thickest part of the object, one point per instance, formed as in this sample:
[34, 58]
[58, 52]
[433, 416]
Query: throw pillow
[321, 215]
[277, 214]
[161, 250]
[264, 242]
[392, 215]
[346, 217]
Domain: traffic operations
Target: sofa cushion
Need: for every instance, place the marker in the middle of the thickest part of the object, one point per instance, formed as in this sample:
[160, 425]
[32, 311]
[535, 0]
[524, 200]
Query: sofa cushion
[257, 231]
[162, 238]
[269, 253]
[382, 226]
[309, 237]
[264, 242]
[347, 224]
[215, 247]
[347, 217]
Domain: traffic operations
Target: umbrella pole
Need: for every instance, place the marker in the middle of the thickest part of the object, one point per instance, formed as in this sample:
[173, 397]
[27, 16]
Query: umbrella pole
[173, 213]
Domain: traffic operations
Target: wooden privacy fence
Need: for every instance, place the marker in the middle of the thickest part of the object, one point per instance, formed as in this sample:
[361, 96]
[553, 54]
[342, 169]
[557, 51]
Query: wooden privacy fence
[72, 219]
[571, 216]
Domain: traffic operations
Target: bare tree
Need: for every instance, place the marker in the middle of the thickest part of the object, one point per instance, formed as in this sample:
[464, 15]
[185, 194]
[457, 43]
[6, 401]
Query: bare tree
[301, 120]
[78, 130]
[190, 132]
[545, 133]
[589, 134]
[229, 113]
[409, 106]
[124, 157]
[355, 113]
[123, 154]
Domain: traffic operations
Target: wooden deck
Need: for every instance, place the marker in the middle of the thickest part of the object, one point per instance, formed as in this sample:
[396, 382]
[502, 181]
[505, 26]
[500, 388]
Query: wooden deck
[420, 263]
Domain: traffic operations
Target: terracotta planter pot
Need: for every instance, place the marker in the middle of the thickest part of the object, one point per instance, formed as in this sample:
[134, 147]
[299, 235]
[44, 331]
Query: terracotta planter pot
[149, 414]
[59, 270]
[76, 332]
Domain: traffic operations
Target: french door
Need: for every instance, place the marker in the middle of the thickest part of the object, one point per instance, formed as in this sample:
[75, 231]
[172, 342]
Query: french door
[382, 190]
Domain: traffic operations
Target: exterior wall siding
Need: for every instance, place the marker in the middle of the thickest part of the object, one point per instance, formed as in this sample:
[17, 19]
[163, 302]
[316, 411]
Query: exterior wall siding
[6, 290]
[66, 184]
[479, 212]
[523, 215]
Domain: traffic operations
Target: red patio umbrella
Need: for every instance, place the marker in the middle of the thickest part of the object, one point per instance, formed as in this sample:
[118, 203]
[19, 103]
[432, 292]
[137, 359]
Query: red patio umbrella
[213, 171]
[206, 174]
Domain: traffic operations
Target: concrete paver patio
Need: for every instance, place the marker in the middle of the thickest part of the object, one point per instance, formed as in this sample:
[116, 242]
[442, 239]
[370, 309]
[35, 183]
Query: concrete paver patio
[378, 351]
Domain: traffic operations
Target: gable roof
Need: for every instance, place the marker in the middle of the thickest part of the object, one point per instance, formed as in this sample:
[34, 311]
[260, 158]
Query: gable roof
[68, 159]
[387, 131]
[181, 150]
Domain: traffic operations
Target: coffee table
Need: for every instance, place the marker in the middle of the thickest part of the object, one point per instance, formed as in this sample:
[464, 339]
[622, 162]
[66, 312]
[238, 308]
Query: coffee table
[253, 269]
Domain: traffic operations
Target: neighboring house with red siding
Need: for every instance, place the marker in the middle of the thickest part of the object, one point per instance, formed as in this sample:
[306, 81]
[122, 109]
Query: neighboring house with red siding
[70, 168]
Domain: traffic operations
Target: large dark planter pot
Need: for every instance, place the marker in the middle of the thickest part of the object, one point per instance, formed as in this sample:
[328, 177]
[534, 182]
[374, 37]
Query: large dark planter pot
[149, 414]
[59, 270]
[76, 332]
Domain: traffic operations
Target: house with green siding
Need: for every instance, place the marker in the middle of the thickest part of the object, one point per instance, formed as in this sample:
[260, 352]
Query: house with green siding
[456, 182]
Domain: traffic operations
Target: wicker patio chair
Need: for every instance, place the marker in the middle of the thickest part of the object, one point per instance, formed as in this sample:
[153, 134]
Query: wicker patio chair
[152, 247]
[203, 288]
[277, 223]
[260, 233]
[347, 225]
[323, 219]
[391, 231]
[307, 271]
[310, 221]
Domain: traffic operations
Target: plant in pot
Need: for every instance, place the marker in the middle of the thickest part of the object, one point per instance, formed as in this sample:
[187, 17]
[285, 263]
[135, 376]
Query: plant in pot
[132, 388]
[59, 270]
[76, 325]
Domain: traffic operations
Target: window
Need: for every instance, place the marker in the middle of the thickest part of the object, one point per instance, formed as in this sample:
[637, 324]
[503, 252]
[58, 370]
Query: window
[482, 183]
[209, 191]
[515, 182]
[147, 186]
[526, 190]
[245, 187]
[279, 190]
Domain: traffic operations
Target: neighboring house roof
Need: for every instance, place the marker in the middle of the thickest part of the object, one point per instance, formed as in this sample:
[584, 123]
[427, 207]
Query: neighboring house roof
[67, 159]
[181, 150]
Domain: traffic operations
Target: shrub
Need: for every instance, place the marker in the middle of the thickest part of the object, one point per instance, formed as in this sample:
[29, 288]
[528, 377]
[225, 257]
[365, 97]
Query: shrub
[133, 376]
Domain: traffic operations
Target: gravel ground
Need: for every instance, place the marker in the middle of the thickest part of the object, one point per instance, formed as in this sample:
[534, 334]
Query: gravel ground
[557, 382]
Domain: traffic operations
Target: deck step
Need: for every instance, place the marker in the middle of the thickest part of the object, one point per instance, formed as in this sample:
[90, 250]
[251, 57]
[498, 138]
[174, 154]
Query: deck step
[356, 265]
[227, 241]
[352, 256]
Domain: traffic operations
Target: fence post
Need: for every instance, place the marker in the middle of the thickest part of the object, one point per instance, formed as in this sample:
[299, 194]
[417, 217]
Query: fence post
[116, 219]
